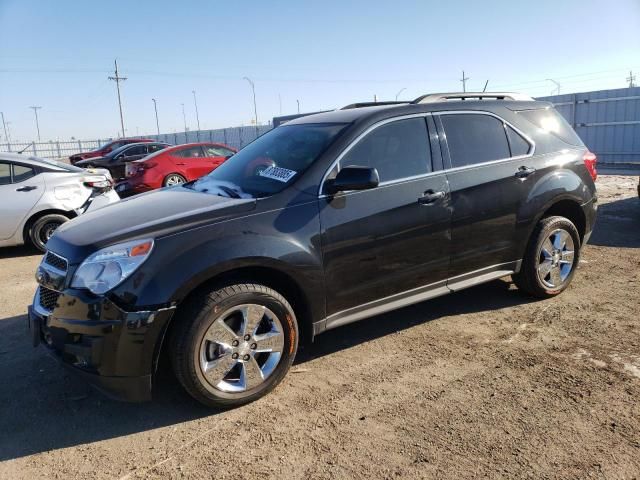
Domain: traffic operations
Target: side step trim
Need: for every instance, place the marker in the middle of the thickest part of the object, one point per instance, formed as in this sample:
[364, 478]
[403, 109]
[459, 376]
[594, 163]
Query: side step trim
[417, 295]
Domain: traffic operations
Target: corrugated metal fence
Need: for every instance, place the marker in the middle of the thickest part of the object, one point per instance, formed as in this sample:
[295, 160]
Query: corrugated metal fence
[608, 121]
[236, 137]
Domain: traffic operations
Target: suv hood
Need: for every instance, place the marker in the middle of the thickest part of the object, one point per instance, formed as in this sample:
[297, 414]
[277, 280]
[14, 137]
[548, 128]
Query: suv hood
[152, 215]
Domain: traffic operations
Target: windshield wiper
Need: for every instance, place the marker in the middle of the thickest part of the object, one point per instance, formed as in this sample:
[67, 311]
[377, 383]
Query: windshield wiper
[228, 191]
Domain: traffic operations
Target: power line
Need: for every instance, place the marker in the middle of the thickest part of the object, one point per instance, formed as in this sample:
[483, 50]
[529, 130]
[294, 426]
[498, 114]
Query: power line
[35, 111]
[119, 79]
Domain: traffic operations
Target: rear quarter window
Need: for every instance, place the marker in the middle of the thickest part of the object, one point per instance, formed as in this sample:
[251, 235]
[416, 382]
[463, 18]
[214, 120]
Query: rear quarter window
[550, 122]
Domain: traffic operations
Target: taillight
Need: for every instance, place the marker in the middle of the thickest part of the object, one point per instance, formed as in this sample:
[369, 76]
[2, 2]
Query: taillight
[132, 169]
[590, 161]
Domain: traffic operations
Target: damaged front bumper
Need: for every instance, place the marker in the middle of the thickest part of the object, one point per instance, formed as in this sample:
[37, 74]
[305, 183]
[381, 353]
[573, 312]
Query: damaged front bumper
[113, 349]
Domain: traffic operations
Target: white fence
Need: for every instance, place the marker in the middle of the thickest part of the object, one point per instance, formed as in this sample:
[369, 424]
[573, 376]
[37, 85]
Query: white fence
[236, 137]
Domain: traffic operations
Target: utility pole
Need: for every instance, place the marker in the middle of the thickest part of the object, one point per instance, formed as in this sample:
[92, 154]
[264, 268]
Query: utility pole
[464, 82]
[195, 102]
[485, 86]
[184, 118]
[398, 94]
[375, 98]
[155, 107]
[556, 84]
[630, 79]
[255, 108]
[35, 110]
[4, 126]
[298, 102]
[119, 79]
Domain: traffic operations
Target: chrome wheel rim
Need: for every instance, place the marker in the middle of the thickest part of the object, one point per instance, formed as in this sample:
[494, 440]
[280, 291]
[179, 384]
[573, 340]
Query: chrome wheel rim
[241, 348]
[173, 180]
[555, 259]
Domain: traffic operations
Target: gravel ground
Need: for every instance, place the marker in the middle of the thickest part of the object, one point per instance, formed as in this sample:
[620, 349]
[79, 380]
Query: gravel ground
[481, 383]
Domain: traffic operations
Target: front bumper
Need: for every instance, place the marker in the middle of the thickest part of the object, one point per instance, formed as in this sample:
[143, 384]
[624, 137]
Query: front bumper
[113, 349]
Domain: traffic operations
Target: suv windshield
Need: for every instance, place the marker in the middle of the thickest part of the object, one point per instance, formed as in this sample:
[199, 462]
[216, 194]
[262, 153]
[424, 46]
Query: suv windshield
[270, 163]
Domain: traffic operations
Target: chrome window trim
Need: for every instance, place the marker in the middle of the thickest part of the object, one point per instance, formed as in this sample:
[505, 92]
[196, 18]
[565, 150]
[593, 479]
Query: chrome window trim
[365, 133]
[532, 143]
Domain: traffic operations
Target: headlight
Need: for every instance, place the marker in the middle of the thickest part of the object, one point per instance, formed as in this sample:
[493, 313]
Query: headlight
[107, 268]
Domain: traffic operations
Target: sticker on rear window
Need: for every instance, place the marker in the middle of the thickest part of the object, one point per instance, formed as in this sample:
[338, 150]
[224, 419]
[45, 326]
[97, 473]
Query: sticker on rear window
[278, 173]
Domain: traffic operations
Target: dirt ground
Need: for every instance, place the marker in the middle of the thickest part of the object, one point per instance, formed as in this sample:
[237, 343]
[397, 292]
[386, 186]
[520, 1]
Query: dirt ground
[481, 383]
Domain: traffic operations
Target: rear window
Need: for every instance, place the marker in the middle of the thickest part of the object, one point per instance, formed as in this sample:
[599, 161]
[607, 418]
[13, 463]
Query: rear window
[550, 121]
[474, 138]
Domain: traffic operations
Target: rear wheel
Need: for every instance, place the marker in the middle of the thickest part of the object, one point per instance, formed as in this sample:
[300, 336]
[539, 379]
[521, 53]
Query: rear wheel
[234, 344]
[43, 228]
[551, 258]
[173, 179]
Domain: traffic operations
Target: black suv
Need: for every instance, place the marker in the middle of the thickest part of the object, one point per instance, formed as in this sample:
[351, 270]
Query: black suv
[325, 220]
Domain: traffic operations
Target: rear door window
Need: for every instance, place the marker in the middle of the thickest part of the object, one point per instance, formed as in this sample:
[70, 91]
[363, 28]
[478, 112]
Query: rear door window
[22, 173]
[215, 151]
[154, 148]
[397, 150]
[519, 146]
[191, 152]
[474, 138]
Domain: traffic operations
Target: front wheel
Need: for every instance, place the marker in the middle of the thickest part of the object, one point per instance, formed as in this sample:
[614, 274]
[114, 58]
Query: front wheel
[43, 228]
[551, 259]
[233, 345]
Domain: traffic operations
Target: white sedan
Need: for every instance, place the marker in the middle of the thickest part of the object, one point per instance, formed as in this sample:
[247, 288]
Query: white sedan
[38, 195]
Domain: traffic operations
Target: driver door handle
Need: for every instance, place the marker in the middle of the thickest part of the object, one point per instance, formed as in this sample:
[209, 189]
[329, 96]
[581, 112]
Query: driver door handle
[430, 197]
[26, 189]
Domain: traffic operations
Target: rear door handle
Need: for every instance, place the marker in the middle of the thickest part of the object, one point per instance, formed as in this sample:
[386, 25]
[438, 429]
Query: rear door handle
[523, 172]
[430, 197]
[25, 189]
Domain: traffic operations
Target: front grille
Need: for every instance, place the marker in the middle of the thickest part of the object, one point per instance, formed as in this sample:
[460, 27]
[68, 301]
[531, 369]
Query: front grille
[48, 298]
[56, 261]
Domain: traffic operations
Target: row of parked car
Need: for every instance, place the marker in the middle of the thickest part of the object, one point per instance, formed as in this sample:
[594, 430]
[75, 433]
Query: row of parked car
[39, 195]
[140, 165]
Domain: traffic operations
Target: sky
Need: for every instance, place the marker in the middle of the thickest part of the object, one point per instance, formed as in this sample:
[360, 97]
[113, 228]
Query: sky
[58, 55]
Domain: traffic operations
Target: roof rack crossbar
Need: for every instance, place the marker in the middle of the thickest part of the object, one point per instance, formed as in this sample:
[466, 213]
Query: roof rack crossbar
[443, 97]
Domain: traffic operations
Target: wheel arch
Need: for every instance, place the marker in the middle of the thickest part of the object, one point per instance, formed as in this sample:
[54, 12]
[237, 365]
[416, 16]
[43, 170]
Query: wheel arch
[270, 276]
[38, 215]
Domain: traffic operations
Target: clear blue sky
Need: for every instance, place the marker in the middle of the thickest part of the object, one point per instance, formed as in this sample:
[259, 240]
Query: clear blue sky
[58, 54]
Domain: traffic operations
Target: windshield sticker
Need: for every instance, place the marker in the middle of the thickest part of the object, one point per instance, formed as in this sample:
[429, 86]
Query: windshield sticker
[278, 173]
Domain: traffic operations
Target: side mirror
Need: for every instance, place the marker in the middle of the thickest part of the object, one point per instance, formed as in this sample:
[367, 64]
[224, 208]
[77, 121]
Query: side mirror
[353, 178]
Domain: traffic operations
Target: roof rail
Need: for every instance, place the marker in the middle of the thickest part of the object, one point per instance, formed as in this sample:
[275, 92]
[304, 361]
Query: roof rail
[443, 97]
[371, 104]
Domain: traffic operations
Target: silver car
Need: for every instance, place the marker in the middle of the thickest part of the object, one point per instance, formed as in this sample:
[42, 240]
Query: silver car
[38, 195]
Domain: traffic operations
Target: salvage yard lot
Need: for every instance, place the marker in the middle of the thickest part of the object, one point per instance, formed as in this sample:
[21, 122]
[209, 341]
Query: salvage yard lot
[484, 382]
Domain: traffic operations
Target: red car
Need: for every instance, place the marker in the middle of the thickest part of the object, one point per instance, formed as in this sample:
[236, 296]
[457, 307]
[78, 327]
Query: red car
[173, 166]
[106, 148]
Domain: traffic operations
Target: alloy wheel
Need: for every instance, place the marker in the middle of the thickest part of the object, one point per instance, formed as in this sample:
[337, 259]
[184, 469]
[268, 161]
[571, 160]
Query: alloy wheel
[556, 258]
[241, 348]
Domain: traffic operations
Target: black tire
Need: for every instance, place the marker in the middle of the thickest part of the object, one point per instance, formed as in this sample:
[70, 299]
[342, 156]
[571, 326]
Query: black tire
[43, 228]
[527, 279]
[198, 314]
[167, 180]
